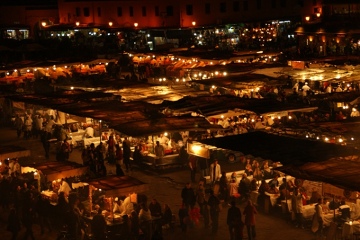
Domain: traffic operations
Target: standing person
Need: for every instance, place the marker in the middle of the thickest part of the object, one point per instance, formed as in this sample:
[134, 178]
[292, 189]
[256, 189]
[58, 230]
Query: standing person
[159, 152]
[188, 196]
[183, 217]
[19, 125]
[318, 219]
[297, 205]
[45, 142]
[215, 171]
[14, 225]
[28, 215]
[249, 213]
[28, 127]
[134, 225]
[65, 151]
[192, 165]
[98, 226]
[234, 222]
[214, 204]
[200, 196]
[126, 155]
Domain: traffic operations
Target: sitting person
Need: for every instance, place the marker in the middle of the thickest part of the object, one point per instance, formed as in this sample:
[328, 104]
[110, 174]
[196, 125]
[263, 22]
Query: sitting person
[248, 168]
[273, 190]
[155, 208]
[167, 217]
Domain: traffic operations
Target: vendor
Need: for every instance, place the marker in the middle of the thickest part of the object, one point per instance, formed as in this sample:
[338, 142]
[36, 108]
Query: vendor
[118, 206]
[65, 188]
[89, 132]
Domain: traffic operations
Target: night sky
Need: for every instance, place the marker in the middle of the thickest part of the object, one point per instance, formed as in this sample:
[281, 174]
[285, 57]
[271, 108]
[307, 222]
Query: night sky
[28, 2]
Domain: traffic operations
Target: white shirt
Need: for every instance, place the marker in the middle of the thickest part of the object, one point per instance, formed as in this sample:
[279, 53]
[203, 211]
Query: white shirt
[64, 187]
[89, 132]
[49, 126]
[217, 171]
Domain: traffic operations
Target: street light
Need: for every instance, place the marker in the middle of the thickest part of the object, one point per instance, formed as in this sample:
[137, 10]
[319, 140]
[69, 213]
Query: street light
[77, 24]
[193, 23]
[136, 24]
[307, 18]
[43, 24]
[110, 24]
[318, 15]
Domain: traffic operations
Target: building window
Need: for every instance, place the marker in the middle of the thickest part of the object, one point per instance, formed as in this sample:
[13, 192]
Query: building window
[246, 5]
[143, 11]
[119, 11]
[189, 10]
[207, 8]
[157, 11]
[236, 6]
[258, 4]
[223, 7]
[301, 3]
[283, 3]
[131, 11]
[99, 11]
[314, 3]
[169, 11]
[78, 12]
[86, 12]
[273, 3]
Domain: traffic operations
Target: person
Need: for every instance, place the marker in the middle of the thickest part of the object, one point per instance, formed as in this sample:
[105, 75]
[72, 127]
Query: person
[118, 206]
[318, 219]
[200, 196]
[89, 132]
[224, 189]
[234, 221]
[65, 188]
[214, 204]
[16, 168]
[155, 208]
[192, 165]
[159, 152]
[244, 187]
[28, 127]
[145, 220]
[250, 212]
[188, 196]
[215, 171]
[183, 217]
[14, 225]
[126, 155]
[18, 125]
[257, 173]
[49, 126]
[134, 225]
[297, 206]
[98, 226]
[65, 150]
[167, 217]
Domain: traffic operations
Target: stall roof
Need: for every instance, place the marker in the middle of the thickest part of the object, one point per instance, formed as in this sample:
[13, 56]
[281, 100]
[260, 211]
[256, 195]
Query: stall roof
[243, 79]
[302, 158]
[338, 97]
[213, 105]
[164, 124]
[60, 98]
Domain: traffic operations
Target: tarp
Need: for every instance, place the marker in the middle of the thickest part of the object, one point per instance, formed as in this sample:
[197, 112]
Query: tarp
[302, 158]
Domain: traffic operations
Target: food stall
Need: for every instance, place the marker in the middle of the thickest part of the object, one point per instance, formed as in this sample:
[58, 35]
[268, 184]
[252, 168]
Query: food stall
[10, 152]
[57, 170]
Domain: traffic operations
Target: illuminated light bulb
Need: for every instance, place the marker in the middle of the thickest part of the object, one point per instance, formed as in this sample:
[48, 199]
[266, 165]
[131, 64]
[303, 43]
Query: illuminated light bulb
[326, 139]
[177, 80]
[352, 139]
[279, 117]
[252, 120]
[317, 138]
[213, 86]
[340, 140]
[290, 117]
[307, 136]
[184, 80]
[165, 133]
[222, 116]
[225, 73]
[28, 70]
[72, 88]
[216, 73]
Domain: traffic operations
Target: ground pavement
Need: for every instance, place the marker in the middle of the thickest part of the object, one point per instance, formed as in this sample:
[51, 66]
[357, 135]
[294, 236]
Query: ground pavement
[166, 188]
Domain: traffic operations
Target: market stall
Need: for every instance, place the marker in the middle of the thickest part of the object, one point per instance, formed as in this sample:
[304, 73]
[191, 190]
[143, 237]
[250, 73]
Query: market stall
[13, 152]
[57, 170]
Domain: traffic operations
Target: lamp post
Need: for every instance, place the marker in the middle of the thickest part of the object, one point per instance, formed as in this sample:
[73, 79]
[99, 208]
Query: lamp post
[43, 24]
